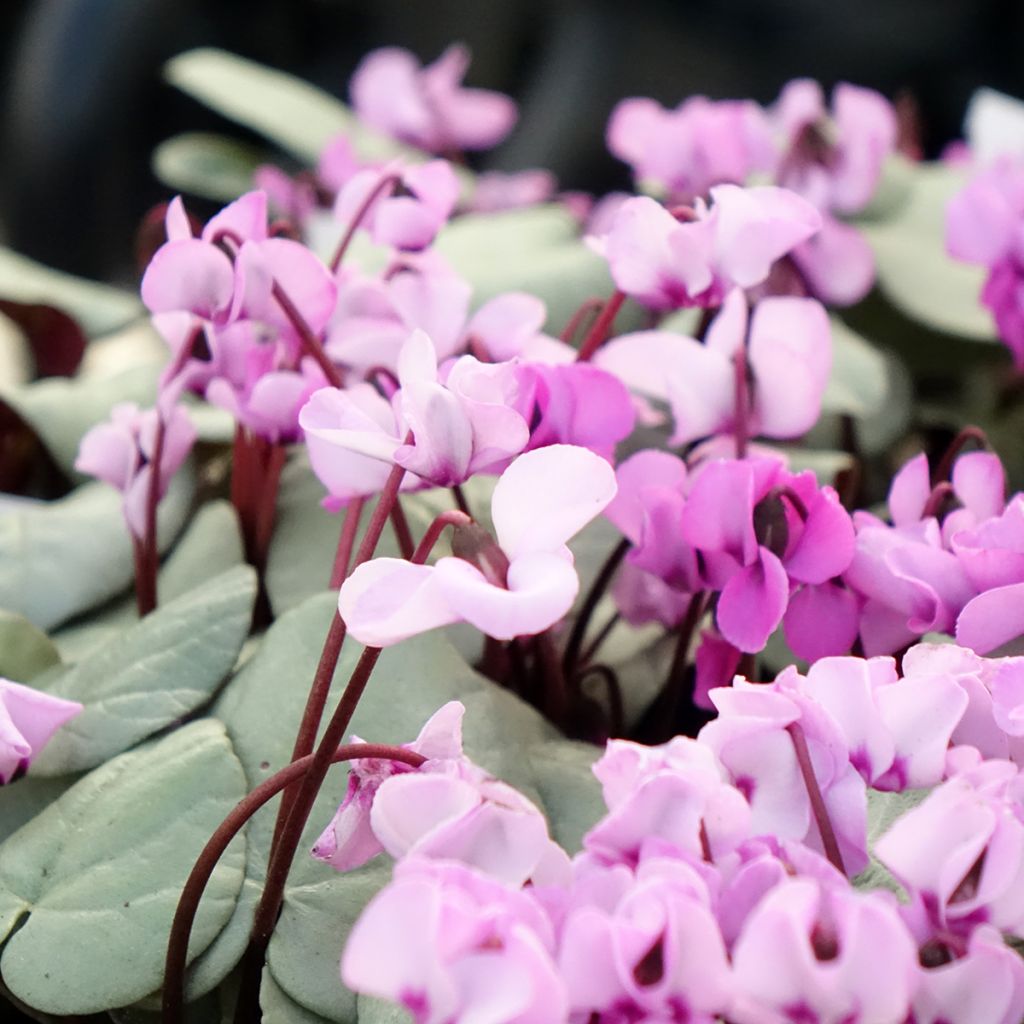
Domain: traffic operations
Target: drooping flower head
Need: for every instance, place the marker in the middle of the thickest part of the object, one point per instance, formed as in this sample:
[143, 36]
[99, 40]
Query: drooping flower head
[28, 718]
[521, 584]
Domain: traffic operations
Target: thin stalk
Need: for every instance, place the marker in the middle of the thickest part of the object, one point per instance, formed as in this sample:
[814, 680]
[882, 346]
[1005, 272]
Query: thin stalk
[199, 877]
[555, 699]
[587, 310]
[145, 598]
[403, 534]
[283, 852]
[956, 446]
[346, 541]
[460, 499]
[601, 327]
[149, 541]
[602, 634]
[818, 808]
[386, 182]
[597, 589]
[266, 506]
[434, 531]
[309, 340]
[742, 413]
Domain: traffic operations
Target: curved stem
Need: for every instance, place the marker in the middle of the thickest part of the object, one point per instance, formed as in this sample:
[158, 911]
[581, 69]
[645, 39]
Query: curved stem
[191, 894]
[601, 582]
[616, 713]
[588, 309]
[602, 634]
[601, 327]
[309, 340]
[956, 446]
[434, 530]
[386, 182]
[346, 541]
[283, 851]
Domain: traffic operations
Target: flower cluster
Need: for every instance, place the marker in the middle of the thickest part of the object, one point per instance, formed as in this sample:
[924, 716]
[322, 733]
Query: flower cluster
[704, 892]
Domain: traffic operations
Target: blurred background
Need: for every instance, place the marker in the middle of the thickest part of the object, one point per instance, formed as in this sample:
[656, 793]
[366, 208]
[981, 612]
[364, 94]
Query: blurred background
[83, 103]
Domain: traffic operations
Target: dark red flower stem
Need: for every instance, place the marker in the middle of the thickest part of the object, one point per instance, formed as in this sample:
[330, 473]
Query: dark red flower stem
[199, 877]
[460, 499]
[403, 535]
[604, 577]
[818, 808]
[386, 182]
[587, 656]
[283, 852]
[555, 701]
[942, 491]
[587, 311]
[346, 541]
[321, 687]
[455, 517]
[671, 695]
[147, 557]
[970, 433]
[310, 342]
[601, 327]
[741, 416]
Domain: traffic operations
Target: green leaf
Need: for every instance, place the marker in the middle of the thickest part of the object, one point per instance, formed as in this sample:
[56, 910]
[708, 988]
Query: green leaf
[207, 165]
[883, 810]
[914, 270]
[25, 650]
[893, 191]
[536, 250]
[98, 308]
[279, 1008]
[297, 116]
[95, 878]
[164, 667]
[60, 558]
[211, 545]
[21, 801]
[61, 409]
[858, 383]
[568, 789]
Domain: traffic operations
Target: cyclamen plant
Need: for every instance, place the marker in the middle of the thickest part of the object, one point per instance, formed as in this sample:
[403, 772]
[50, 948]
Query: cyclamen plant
[716, 686]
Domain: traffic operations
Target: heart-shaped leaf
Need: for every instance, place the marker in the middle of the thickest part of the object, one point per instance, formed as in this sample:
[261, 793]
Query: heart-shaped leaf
[158, 671]
[60, 558]
[94, 879]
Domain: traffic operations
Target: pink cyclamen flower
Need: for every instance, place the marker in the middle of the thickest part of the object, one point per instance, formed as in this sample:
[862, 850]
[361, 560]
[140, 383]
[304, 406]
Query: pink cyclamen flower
[666, 264]
[121, 452]
[522, 585]
[464, 424]
[409, 220]
[28, 718]
[427, 106]
[814, 953]
[960, 853]
[198, 276]
[683, 152]
[449, 944]
[676, 796]
[761, 529]
[785, 346]
[753, 740]
[349, 840]
[655, 954]
[983, 226]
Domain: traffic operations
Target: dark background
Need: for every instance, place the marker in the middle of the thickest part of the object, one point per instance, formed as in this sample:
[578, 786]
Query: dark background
[82, 102]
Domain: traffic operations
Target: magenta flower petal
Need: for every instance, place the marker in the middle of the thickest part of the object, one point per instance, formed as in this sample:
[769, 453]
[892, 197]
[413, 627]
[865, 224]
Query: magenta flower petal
[979, 481]
[753, 602]
[541, 590]
[909, 491]
[992, 619]
[189, 275]
[28, 719]
[821, 620]
[838, 263]
[791, 358]
[825, 546]
[756, 226]
[387, 600]
[547, 496]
